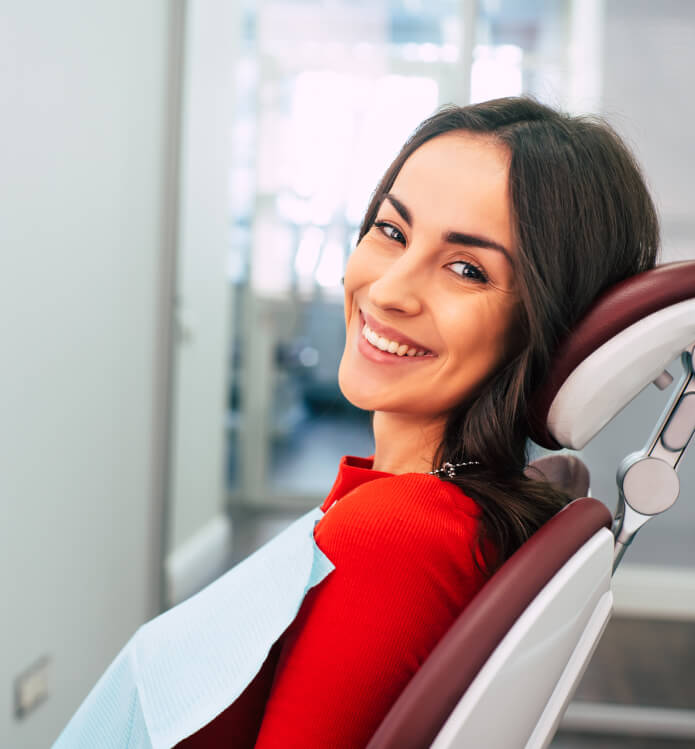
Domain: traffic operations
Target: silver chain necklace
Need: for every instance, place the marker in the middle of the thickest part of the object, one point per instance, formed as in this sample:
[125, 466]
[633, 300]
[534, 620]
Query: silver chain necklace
[450, 468]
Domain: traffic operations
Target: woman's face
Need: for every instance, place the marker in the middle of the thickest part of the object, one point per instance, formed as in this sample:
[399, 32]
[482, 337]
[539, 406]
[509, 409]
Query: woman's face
[433, 281]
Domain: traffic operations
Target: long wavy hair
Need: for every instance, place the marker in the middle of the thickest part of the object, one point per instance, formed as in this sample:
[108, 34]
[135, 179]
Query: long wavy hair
[583, 220]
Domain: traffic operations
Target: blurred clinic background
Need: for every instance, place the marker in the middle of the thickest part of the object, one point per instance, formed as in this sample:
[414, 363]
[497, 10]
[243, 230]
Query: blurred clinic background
[181, 182]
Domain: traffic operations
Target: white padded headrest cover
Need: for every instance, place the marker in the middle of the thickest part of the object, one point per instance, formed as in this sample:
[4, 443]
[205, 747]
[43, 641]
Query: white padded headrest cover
[607, 380]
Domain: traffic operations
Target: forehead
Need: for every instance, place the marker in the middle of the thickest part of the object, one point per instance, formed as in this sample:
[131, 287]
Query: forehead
[460, 179]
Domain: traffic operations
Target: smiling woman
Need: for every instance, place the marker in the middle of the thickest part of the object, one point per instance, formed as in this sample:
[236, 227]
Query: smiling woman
[491, 233]
[488, 237]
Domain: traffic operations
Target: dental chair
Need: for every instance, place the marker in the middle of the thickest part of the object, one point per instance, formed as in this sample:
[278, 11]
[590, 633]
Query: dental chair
[503, 674]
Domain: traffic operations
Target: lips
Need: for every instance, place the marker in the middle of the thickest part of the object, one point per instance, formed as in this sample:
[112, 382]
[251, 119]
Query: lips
[392, 334]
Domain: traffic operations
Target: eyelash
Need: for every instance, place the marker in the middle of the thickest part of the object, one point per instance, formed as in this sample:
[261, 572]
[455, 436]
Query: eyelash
[384, 226]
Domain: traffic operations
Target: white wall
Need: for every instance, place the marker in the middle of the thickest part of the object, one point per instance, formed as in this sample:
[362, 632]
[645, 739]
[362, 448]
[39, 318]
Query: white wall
[84, 92]
[198, 530]
[648, 84]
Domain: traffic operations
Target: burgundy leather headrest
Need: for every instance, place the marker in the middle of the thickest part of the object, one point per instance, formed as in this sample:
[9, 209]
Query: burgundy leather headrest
[615, 309]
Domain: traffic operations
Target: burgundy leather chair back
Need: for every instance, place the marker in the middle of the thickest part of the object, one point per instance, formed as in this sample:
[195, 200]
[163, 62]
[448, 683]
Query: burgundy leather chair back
[424, 706]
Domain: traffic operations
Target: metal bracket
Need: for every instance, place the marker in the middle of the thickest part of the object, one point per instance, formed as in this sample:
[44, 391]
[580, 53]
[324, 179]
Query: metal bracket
[647, 480]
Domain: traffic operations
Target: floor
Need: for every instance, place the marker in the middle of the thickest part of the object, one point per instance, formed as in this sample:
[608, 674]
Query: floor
[639, 662]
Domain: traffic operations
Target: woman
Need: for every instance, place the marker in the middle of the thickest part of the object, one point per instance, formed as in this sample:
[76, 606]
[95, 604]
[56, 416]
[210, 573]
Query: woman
[488, 237]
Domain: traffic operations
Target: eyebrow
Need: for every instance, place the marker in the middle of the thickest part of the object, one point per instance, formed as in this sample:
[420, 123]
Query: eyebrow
[452, 237]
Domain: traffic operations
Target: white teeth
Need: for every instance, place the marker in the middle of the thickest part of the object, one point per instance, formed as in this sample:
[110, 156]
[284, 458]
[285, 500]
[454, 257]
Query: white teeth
[393, 347]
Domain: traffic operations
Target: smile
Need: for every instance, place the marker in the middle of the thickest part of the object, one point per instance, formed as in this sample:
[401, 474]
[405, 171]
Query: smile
[392, 347]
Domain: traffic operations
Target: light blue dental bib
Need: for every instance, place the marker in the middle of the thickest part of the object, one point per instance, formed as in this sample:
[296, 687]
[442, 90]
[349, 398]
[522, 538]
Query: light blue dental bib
[183, 668]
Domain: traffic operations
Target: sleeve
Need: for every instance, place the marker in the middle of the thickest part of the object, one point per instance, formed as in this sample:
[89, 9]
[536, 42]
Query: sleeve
[404, 570]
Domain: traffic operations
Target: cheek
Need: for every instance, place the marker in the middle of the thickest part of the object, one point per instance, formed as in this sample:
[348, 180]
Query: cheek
[348, 288]
[356, 270]
[356, 275]
[488, 330]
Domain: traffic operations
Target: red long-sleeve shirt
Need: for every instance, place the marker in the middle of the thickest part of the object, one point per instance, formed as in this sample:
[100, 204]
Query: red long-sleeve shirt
[403, 548]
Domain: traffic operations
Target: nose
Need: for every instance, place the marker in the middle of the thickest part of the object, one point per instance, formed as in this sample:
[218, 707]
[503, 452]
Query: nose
[398, 287]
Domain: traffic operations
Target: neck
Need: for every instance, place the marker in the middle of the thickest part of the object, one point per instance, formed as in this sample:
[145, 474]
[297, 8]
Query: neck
[405, 443]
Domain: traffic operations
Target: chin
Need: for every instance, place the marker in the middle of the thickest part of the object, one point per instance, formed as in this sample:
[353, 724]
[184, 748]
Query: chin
[356, 388]
[350, 393]
[356, 395]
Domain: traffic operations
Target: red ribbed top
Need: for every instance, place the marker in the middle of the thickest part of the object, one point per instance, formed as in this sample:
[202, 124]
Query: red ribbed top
[403, 547]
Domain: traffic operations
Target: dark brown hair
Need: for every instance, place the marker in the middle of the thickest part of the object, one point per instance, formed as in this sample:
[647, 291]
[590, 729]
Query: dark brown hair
[583, 220]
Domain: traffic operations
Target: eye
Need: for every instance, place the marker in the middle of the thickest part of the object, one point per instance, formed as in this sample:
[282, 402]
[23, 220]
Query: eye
[468, 270]
[390, 231]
